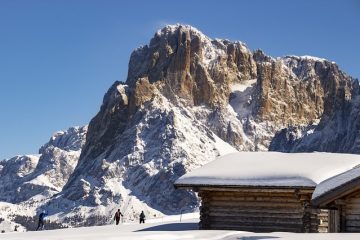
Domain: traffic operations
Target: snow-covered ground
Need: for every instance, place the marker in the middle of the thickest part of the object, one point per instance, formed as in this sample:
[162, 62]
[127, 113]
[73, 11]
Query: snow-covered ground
[164, 229]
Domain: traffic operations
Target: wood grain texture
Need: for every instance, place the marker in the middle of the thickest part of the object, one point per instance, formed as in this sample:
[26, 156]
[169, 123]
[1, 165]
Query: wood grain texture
[260, 211]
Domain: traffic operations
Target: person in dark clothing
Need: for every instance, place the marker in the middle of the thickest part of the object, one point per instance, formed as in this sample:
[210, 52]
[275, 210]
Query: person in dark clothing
[117, 216]
[142, 217]
[41, 221]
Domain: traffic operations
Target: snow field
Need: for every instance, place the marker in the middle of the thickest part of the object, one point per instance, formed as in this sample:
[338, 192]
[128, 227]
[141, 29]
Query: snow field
[167, 230]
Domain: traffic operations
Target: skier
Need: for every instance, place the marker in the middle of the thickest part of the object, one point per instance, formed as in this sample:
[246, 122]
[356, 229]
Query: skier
[142, 217]
[42, 216]
[117, 216]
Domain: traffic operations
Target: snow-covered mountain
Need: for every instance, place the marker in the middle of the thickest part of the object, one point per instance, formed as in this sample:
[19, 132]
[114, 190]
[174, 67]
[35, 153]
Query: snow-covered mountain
[188, 99]
[28, 182]
[23, 177]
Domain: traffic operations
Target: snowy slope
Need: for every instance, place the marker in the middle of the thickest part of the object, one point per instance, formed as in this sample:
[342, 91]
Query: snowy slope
[166, 142]
[166, 230]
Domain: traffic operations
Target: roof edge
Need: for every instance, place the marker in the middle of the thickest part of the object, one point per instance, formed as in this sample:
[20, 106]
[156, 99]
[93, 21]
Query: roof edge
[193, 186]
[336, 193]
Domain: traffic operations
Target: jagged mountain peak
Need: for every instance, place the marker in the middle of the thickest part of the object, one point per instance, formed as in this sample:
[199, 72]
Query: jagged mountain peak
[19, 166]
[172, 29]
[188, 99]
[70, 140]
[182, 62]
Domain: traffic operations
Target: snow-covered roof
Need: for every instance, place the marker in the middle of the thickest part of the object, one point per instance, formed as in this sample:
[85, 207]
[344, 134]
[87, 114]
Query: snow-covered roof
[337, 183]
[269, 169]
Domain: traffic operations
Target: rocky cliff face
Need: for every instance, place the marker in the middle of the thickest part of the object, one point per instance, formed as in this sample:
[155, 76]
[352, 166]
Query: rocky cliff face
[188, 99]
[337, 132]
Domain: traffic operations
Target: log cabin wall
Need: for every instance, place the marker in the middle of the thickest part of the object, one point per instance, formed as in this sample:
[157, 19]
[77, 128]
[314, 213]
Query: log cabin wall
[344, 215]
[258, 210]
[351, 213]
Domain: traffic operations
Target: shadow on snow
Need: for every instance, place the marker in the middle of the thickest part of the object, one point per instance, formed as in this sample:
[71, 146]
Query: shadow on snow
[172, 227]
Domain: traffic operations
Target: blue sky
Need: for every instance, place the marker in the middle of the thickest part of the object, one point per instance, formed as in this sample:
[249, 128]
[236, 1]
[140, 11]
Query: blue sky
[58, 58]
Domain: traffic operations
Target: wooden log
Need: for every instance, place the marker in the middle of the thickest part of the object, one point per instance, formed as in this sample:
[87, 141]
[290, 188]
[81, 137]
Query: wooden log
[352, 223]
[352, 205]
[255, 210]
[252, 190]
[321, 229]
[255, 204]
[354, 194]
[352, 211]
[306, 191]
[252, 194]
[256, 219]
[339, 202]
[334, 221]
[353, 217]
[352, 229]
[258, 214]
[255, 228]
[258, 223]
[263, 212]
[342, 219]
[351, 199]
[250, 222]
[253, 199]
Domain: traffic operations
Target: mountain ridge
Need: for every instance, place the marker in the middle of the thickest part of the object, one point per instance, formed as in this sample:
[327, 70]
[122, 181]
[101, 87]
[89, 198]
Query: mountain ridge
[187, 100]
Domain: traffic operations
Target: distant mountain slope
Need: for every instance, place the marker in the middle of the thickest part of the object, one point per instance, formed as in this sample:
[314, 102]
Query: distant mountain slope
[23, 177]
[31, 180]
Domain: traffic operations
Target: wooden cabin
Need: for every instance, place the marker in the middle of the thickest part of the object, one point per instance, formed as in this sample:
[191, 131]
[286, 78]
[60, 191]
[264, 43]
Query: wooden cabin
[264, 191]
[258, 209]
[341, 196]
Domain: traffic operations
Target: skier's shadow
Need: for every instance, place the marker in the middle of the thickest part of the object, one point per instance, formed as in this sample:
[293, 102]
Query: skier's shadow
[172, 227]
